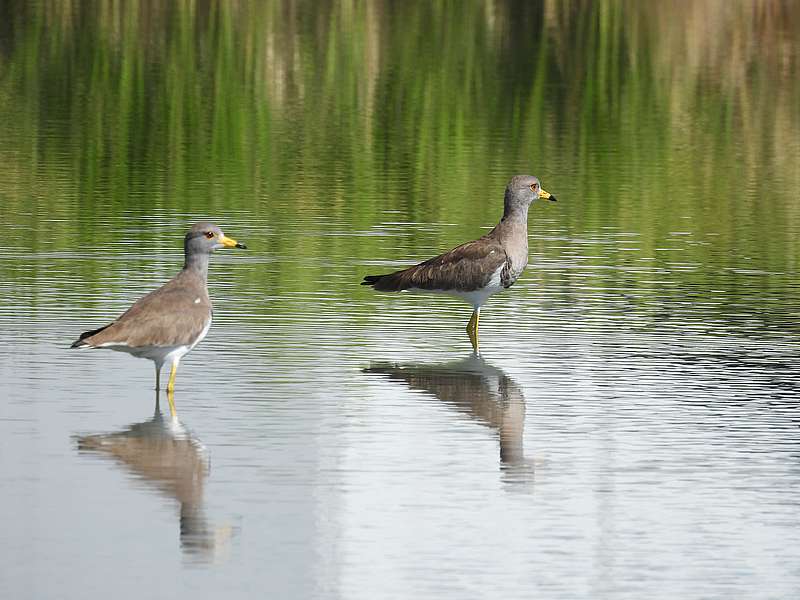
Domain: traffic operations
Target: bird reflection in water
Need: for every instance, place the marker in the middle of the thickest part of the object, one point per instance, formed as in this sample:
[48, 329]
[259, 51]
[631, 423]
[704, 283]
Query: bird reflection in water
[163, 453]
[481, 390]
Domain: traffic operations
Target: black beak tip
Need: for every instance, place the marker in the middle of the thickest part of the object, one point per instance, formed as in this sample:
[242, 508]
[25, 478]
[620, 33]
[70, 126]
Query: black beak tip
[553, 198]
[241, 245]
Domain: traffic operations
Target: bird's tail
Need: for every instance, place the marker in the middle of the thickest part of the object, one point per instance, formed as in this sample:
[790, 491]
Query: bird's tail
[81, 341]
[372, 279]
[390, 282]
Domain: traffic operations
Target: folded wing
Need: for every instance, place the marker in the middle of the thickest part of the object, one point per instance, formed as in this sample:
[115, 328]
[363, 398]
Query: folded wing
[466, 268]
[173, 315]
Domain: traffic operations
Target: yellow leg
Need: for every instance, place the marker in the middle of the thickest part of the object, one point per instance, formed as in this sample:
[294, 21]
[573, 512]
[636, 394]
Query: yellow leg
[171, 398]
[472, 328]
[172, 372]
[171, 388]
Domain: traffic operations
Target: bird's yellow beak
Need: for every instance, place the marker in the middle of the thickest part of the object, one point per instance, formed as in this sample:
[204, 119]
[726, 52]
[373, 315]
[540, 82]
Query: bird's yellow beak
[230, 242]
[546, 195]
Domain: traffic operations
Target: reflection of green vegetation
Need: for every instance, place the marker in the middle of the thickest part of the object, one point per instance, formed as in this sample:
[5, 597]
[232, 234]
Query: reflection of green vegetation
[638, 114]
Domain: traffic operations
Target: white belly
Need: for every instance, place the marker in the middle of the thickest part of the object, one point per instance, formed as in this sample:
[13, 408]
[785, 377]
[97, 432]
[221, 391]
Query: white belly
[475, 298]
[202, 335]
[160, 354]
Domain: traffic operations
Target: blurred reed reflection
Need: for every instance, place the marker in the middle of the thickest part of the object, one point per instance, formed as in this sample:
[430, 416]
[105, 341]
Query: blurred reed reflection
[163, 453]
[481, 390]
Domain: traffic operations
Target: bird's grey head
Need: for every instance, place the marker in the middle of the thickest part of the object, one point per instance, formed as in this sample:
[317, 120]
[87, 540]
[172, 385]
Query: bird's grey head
[204, 238]
[521, 191]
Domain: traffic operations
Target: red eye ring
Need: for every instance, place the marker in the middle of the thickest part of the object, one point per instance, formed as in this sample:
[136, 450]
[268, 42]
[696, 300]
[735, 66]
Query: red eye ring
[209, 234]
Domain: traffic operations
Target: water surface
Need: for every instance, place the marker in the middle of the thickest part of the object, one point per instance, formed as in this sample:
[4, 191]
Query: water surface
[631, 428]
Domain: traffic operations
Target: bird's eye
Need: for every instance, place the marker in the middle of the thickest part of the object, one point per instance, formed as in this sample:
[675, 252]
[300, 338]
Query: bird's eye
[209, 234]
[533, 187]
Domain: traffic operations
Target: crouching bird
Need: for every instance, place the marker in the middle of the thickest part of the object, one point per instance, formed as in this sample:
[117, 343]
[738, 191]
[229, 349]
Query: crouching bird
[168, 322]
[476, 270]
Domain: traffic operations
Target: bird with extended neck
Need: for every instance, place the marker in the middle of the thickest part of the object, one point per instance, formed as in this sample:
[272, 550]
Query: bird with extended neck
[168, 322]
[476, 270]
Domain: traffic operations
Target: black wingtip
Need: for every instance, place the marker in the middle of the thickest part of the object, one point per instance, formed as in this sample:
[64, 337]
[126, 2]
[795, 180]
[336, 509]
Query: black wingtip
[79, 343]
[371, 279]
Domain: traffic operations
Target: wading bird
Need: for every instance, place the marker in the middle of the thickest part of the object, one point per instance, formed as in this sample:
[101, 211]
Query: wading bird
[476, 270]
[167, 323]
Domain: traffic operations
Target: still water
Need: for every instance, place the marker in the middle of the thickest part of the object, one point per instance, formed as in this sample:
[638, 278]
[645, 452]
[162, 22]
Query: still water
[631, 427]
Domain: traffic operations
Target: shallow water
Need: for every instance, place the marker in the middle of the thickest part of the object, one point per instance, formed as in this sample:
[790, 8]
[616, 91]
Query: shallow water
[631, 428]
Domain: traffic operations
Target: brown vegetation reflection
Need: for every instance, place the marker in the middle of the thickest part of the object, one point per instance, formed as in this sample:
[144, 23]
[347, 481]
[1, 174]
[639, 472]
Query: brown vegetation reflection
[154, 83]
[652, 117]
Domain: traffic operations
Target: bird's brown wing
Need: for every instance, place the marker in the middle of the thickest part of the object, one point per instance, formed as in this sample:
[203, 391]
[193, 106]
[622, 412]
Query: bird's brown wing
[467, 267]
[169, 316]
